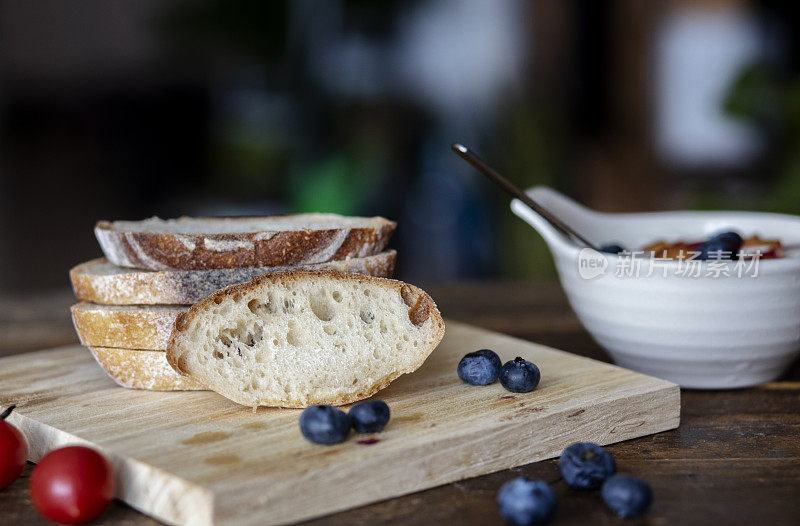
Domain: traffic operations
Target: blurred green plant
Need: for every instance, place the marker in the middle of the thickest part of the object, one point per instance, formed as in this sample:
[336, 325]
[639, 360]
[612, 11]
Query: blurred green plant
[771, 102]
[256, 156]
[340, 184]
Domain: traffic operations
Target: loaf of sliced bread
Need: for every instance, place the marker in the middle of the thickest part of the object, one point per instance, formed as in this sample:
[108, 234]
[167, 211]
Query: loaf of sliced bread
[125, 326]
[305, 337]
[140, 369]
[100, 281]
[190, 243]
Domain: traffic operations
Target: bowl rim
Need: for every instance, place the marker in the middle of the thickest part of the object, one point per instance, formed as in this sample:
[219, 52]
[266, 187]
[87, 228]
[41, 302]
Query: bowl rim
[564, 246]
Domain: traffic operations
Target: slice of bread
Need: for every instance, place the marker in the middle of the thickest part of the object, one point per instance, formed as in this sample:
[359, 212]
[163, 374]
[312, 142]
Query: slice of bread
[196, 243]
[304, 337]
[99, 281]
[125, 326]
[138, 369]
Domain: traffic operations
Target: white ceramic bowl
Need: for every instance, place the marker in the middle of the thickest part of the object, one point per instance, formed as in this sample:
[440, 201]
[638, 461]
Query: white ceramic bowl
[708, 332]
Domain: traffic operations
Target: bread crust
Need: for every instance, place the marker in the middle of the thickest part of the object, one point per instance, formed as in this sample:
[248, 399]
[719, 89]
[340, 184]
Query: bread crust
[172, 251]
[185, 287]
[424, 308]
[142, 369]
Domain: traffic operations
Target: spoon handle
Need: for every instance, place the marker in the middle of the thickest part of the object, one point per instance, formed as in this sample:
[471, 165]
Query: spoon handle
[512, 190]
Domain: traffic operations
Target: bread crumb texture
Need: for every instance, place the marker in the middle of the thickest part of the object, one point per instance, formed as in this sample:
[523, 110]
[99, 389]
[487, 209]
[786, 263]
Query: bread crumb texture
[305, 337]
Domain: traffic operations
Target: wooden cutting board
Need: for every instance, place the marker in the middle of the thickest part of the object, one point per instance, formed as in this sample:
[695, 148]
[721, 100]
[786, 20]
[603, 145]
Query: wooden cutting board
[196, 458]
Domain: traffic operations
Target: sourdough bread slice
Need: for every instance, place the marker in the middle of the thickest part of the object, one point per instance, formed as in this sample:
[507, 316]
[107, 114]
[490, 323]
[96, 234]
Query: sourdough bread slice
[196, 243]
[304, 337]
[100, 281]
[140, 369]
[125, 326]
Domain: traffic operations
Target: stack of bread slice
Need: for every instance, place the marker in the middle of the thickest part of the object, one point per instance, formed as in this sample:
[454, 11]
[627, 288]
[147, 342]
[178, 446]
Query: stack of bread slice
[155, 269]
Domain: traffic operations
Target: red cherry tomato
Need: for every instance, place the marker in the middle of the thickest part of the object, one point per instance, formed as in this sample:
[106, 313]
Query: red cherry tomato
[13, 451]
[73, 484]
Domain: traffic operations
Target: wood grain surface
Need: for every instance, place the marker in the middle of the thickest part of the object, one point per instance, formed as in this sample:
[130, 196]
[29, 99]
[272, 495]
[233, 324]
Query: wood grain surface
[735, 459]
[197, 458]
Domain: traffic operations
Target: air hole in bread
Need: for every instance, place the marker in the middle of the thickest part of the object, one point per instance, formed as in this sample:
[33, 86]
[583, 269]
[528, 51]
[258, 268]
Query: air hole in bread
[337, 296]
[367, 316]
[329, 330]
[384, 329]
[218, 355]
[288, 305]
[321, 306]
[258, 307]
[248, 334]
[254, 335]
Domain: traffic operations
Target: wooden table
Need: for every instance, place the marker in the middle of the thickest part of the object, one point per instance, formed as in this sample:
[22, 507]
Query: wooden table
[734, 460]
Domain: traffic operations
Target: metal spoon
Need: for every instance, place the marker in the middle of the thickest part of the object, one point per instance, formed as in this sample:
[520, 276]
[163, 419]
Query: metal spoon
[480, 165]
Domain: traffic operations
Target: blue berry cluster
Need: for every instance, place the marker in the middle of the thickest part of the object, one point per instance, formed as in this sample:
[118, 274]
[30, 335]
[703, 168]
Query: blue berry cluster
[325, 424]
[584, 465]
[484, 367]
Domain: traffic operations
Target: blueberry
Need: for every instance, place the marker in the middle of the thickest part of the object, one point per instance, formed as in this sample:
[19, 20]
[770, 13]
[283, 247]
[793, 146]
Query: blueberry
[324, 424]
[519, 376]
[523, 501]
[585, 465]
[612, 248]
[730, 237]
[626, 496]
[725, 245]
[480, 367]
[717, 249]
[370, 416]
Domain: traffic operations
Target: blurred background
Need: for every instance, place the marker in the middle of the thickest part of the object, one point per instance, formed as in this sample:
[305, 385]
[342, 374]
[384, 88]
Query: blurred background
[128, 109]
